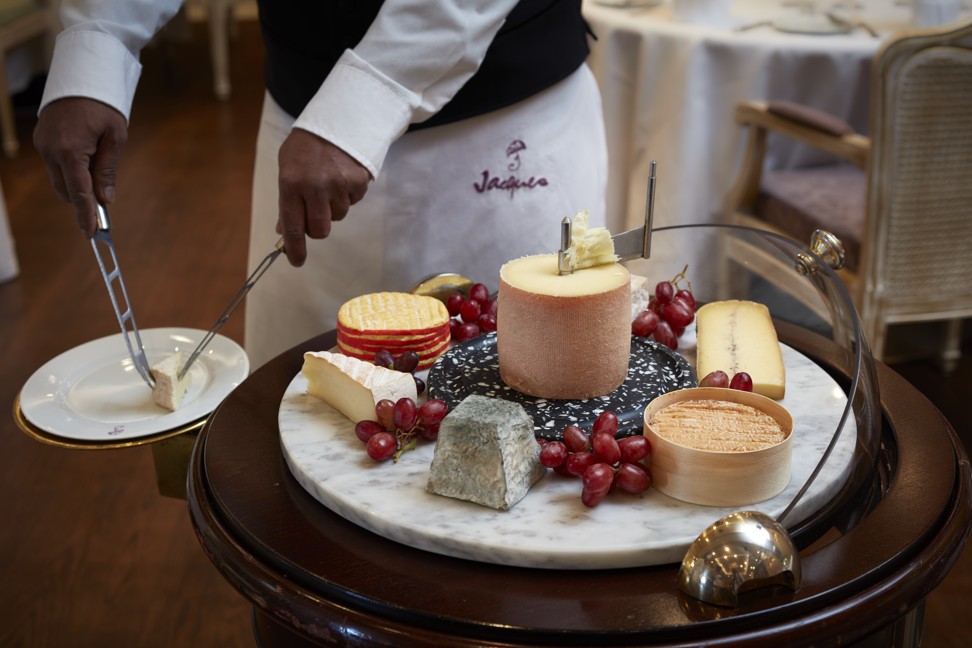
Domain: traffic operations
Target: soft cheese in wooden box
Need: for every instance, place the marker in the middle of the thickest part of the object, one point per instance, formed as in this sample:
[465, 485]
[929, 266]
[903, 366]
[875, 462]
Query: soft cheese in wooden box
[723, 455]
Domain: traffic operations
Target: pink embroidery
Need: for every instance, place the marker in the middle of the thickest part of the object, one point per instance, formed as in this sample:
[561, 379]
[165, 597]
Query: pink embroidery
[512, 183]
[513, 151]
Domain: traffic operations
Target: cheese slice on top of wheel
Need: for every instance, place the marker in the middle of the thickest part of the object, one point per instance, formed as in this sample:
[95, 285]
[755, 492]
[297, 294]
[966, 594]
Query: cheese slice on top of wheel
[563, 336]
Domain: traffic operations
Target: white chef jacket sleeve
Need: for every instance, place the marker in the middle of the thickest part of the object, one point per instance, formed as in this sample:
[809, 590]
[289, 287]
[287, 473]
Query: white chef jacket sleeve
[414, 58]
[97, 53]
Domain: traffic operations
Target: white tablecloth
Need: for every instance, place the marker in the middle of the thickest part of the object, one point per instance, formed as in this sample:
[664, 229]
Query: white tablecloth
[669, 89]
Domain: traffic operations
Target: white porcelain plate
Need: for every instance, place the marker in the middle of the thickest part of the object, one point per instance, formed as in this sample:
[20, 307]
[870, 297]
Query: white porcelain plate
[93, 392]
[549, 527]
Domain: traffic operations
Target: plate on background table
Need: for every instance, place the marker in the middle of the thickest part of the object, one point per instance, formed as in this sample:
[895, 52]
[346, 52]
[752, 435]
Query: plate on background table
[93, 392]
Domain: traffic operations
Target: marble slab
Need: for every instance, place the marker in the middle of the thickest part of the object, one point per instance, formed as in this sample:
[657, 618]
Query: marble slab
[550, 527]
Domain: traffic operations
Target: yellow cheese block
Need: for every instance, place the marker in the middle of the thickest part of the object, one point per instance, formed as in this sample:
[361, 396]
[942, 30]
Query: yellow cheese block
[563, 336]
[737, 336]
[390, 313]
[353, 386]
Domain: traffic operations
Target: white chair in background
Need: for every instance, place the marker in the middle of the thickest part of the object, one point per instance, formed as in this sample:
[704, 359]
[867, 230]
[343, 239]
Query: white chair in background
[20, 22]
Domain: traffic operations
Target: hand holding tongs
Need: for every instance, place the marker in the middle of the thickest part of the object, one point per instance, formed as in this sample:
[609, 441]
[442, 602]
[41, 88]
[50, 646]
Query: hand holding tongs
[126, 318]
[633, 244]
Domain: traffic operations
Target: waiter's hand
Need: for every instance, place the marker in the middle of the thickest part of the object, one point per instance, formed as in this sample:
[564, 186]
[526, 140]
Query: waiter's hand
[81, 141]
[318, 183]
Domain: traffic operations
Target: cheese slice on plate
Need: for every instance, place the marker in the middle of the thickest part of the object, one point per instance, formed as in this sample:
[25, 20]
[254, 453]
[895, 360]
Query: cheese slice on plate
[735, 336]
[353, 386]
[169, 390]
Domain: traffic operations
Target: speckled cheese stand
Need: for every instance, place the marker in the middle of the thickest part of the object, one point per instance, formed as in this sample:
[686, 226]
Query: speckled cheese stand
[549, 527]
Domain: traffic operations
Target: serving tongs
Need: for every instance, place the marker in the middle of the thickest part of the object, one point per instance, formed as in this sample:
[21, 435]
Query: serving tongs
[633, 244]
[126, 318]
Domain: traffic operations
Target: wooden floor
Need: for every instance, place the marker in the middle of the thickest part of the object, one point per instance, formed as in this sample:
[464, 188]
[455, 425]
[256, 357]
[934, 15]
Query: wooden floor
[92, 555]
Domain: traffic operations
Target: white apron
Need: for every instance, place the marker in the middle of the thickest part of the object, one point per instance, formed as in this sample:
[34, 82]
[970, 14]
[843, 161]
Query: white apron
[464, 197]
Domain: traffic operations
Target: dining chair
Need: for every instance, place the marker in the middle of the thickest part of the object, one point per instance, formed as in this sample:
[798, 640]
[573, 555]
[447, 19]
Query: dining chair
[220, 21]
[899, 199]
[20, 22]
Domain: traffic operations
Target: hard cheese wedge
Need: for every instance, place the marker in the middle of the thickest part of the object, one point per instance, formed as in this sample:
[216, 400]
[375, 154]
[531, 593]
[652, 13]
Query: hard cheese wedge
[353, 386]
[737, 336]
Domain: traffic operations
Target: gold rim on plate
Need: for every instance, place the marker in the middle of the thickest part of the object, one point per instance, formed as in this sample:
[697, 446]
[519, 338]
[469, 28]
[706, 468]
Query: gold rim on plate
[38, 434]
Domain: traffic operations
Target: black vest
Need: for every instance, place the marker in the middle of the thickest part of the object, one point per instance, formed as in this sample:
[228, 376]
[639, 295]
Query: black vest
[541, 42]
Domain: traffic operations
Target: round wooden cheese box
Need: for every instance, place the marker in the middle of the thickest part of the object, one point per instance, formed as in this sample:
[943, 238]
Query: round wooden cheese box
[718, 447]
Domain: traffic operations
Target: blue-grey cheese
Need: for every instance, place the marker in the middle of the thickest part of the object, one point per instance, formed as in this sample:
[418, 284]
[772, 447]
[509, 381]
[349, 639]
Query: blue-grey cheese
[486, 453]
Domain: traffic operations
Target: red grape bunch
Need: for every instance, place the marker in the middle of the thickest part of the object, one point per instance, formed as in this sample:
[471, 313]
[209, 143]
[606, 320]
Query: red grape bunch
[719, 378]
[472, 314]
[399, 425]
[602, 461]
[406, 362]
[669, 311]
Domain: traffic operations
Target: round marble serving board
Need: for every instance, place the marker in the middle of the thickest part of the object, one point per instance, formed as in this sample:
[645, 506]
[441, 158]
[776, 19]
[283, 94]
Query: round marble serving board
[549, 528]
[472, 367]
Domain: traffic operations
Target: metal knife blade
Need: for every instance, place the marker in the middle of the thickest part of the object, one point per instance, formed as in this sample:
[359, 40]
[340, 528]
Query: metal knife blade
[636, 243]
[126, 317]
[268, 260]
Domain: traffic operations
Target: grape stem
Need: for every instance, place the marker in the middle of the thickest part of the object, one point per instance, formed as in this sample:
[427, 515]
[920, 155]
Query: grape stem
[407, 440]
[680, 276]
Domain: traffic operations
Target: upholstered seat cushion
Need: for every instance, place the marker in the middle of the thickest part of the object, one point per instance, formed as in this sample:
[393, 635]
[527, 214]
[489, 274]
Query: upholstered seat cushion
[828, 197]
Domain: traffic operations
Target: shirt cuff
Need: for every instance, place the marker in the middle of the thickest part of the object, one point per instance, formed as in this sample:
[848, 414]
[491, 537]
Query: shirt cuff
[94, 65]
[360, 110]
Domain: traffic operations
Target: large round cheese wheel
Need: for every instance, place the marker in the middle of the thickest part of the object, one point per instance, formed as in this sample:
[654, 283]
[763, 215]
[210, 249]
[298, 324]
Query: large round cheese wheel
[563, 336]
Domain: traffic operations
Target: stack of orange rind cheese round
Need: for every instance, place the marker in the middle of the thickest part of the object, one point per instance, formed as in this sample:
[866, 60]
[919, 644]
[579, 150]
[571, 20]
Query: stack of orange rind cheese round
[395, 322]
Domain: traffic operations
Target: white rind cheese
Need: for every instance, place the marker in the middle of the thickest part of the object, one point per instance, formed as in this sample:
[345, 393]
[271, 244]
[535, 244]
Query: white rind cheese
[169, 391]
[563, 336]
[737, 336]
[486, 453]
[353, 386]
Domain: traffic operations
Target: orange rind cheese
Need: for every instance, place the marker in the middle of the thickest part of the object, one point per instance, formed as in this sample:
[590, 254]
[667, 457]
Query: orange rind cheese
[717, 426]
[392, 314]
[427, 356]
[395, 322]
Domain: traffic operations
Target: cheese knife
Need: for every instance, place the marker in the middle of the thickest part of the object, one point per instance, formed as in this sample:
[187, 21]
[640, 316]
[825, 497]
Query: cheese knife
[633, 244]
[268, 260]
[636, 243]
[123, 311]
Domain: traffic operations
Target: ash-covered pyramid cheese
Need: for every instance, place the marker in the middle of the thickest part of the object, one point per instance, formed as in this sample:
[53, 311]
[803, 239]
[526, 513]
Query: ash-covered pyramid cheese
[169, 391]
[485, 453]
[353, 386]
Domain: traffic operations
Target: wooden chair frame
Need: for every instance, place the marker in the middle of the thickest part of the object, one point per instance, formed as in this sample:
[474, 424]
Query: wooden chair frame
[874, 298]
